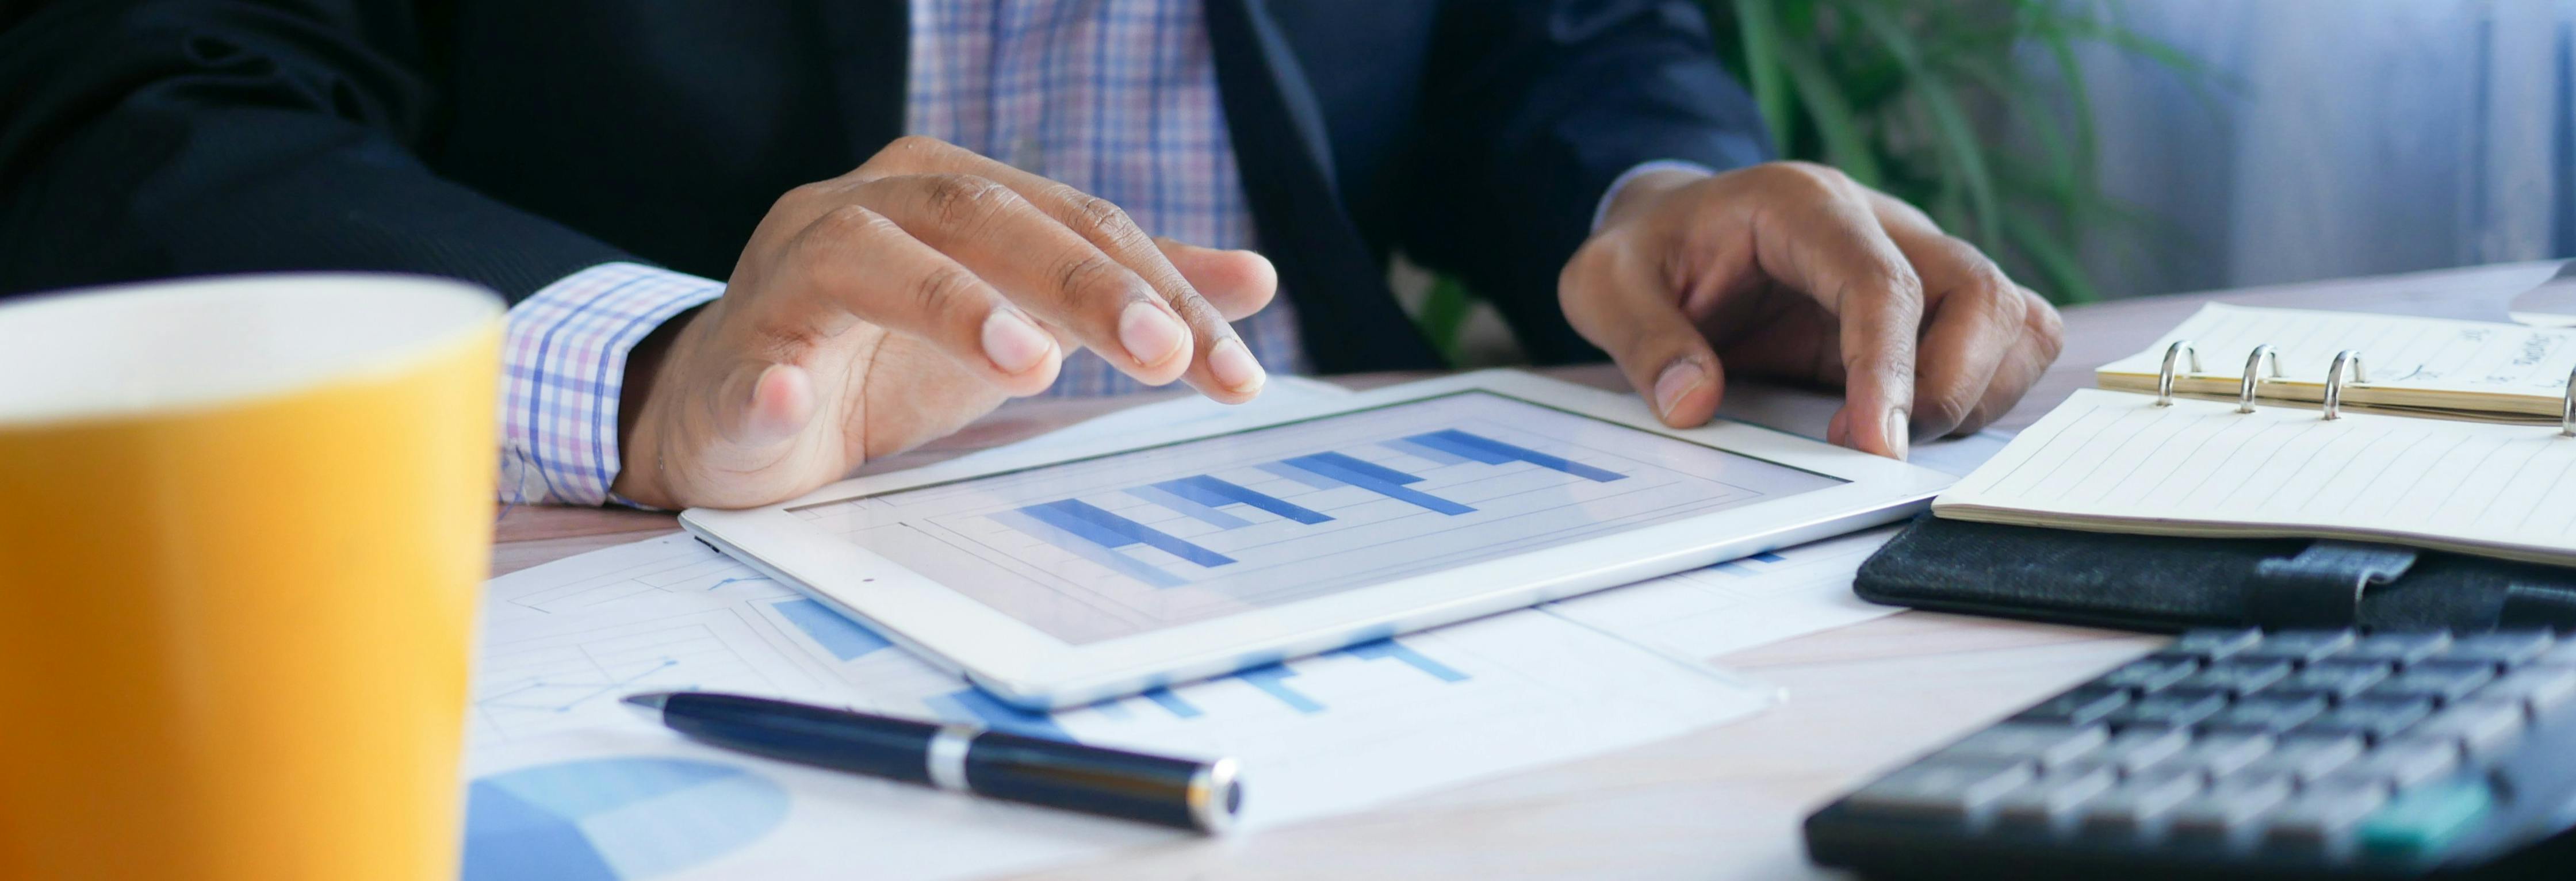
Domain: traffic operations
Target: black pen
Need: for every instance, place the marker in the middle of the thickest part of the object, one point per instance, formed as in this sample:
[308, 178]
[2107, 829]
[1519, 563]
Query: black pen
[1186, 793]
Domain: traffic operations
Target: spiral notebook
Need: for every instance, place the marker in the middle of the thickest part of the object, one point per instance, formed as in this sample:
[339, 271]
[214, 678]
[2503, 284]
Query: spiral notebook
[2404, 430]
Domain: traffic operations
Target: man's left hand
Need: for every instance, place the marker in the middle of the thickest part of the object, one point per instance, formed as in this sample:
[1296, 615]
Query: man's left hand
[1794, 271]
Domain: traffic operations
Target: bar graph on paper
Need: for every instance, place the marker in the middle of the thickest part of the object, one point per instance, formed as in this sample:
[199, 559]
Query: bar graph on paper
[1153, 538]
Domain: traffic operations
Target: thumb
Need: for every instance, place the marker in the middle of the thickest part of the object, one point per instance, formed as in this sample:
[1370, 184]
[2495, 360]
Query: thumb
[762, 408]
[1618, 301]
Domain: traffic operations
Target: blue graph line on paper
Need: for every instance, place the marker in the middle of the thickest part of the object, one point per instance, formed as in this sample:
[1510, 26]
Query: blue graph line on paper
[737, 580]
[844, 638]
[1411, 447]
[1323, 465]
[1272, 679]
[1187, 507]
[1494, 452]
[597, 689]
[1311, 479]
[1769, 557]
[1391, 649]
[973, 705]
[1211, 491]
[607, 819]
[1088, 550]
[1069, 514]
[1172, 703]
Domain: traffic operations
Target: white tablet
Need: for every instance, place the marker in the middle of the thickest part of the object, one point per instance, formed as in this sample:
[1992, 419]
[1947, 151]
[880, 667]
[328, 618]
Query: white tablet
[1055, 577]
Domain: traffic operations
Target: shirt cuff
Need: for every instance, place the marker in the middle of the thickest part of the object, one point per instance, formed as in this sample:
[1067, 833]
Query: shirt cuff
[563, 364]
[1601, 211]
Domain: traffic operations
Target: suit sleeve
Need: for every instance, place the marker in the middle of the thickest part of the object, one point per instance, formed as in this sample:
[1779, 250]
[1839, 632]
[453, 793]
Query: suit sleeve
[1532, 109]
[150, 138]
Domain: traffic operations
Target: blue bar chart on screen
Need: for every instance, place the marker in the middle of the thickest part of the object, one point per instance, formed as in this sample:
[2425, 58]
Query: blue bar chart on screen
[1152, 538]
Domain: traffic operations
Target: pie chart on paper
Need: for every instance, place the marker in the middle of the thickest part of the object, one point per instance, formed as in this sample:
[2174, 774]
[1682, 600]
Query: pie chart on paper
[613, 819]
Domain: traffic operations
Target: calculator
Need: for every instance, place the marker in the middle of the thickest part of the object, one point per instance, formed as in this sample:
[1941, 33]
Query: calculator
[2250, 753]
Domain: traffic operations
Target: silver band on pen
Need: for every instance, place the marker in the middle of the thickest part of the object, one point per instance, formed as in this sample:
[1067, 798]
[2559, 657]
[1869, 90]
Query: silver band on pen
[946, 757]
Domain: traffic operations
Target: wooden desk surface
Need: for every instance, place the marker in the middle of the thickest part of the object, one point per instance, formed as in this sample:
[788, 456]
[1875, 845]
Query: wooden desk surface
[1721, 803]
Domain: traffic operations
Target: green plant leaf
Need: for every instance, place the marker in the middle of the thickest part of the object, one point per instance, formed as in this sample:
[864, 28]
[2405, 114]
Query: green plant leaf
[1955, 138]
[1761, 37]
[1846, 145]
[2066, 280]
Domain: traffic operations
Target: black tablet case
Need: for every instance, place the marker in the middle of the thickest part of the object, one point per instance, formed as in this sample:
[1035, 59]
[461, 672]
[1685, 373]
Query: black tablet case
[2164, 583]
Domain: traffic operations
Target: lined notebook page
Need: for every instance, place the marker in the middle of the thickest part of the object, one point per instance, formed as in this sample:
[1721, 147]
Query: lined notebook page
[2108, 459]
[2415, 354]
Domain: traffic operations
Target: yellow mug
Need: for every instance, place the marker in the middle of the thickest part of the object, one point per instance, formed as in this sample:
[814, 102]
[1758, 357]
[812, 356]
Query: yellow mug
[243, 524]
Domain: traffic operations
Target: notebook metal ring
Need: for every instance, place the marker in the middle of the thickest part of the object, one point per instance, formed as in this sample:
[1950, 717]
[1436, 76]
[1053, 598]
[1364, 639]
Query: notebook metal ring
[2334, 380]
[2165, 377]
[2567, 408]
[2254, 377]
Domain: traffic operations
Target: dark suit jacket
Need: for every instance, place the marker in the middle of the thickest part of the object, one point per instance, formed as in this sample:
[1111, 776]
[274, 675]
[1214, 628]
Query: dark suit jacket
[512, 142]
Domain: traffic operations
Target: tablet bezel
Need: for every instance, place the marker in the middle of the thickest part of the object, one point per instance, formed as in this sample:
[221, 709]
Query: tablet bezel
[1032, 669]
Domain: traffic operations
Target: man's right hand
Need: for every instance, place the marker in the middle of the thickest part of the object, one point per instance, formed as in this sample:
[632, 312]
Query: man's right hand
[892, 305]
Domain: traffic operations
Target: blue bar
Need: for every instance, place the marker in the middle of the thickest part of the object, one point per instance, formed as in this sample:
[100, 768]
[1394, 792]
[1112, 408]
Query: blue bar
[1364, 466]
[1273, 679]
[1462, 439]
[738, 579]
[1328, 468]
[1389, 648]
[1115, 708]
[1769, 557]
[1470, 451]
[1173, 703]
[1188, 508]
[975, 706]
[1131, 530]
[1311, 479]
[844, 638]
[1210, 491]
[1410, 447]
[1088, 550]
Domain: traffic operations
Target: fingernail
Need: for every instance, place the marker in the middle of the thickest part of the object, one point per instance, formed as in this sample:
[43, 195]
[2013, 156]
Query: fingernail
[1898, 433]
[1234, 367]
[1677, 380]
[1149, 335]
[1013, 344]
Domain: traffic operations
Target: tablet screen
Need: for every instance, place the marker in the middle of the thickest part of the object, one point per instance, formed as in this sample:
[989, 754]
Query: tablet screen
[1151, 538]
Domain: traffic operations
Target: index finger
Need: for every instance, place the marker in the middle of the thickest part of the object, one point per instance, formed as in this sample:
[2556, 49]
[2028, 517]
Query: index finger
[1830, 245]
[1221, 365]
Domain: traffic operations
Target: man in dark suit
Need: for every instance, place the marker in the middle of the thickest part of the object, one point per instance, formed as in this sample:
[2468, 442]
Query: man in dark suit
[1587, 166]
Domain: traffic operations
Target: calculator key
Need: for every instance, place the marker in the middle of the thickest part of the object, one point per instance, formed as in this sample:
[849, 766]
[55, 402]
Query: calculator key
[2369, 716]
[2442, 680]
[2321, 817]
[2427, 819]
[2336, 679]
[2136, 804]
[2044, 743]
[2235, 677]
[2218, 755]
[2542, 689]
[2503, 648]
[2479, 726]
[2052, 799]
[2215, 643]
[2269, 713]
[2402, 763]
[2397, 647]
[2229, 807]
[2307, 757]
[2174, 710]
[2148, 675]
[2300, 646]
[2082, 706]
[1950, 790]
[2137, 749]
